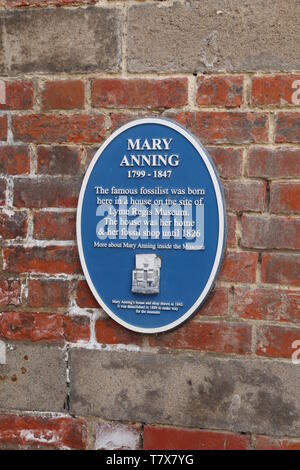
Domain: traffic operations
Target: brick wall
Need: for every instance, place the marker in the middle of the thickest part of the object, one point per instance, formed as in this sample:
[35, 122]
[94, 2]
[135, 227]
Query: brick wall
[74, 71]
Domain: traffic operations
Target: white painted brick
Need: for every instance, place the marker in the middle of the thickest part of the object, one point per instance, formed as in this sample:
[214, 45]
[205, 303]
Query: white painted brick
[2, 92]
[110, 436]
[2, 353]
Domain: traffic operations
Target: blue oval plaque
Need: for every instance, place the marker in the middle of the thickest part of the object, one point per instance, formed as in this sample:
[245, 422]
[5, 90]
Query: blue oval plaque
[151, 225]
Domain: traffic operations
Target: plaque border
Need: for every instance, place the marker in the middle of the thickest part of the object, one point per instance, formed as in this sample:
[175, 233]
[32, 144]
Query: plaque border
[222, 222]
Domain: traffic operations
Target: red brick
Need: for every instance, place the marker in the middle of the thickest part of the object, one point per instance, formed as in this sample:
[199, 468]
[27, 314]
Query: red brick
[63, 94]
[285, 197]
[229, 161]
[245, 195]
[51, 260]
[54, 225]
[27, 326]
[239, 267]
[58, 160]
[14, 160]
[276, 341]
[13, 224]
[19, 95]
[280, 268]
[10, 292]
[163, 438]
[216, 304]
[59, 128]
[48, 293]
[90, 153]
[2, 191]
[46, 192]
[267, 232]
[35, 431]
[275, 443]
[225, 338]
[276, 90]
[220, 90]
[76, 328]
[226, 127]
[139, 93]
[287, 128]
[231, 230]
[274, 163]
[3, 127]
[267, 304]
[43, 3]
[119, 119]
[110, 332]
[84, 297]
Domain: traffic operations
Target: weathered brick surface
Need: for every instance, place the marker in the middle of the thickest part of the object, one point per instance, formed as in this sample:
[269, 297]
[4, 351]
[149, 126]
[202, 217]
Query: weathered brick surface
[51, 260]
[198, 39]
[51, 128]
[13, 224]
[27, 326]
[231, 230]
[64, 94]
[229, 161]
[270, 232]
[54, 225]
[2, 191]
[76, 328]
[33, 378]
[19, 95]
[3, 128]
[267, 304]
[14, 160]
[119, 119]
[239, 267]
[166, 438]
[274, 163]
[183, 390]
[220, 91]
[82, 41]
[276, 341]
[278, 90]
[281, 268]
[287, 128]
[224, 338]
[139, 93]
[110, 332]
[10, 292]
[48, 293]
[285, 197]
[58, 160]
[245, 195]
[46, 192]
[231, 127]
[216, 304]
[42, 327]
[84, 297]
[90, 152]
[272, 443]
[43, 432]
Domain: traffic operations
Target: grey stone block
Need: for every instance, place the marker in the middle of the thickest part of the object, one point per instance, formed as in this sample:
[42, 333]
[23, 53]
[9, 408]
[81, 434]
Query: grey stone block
[60, 40]
[33, 378]
[245, 395]
[213, 35]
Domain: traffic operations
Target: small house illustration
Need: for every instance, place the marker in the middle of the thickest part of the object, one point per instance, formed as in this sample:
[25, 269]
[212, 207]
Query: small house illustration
[146, 275]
